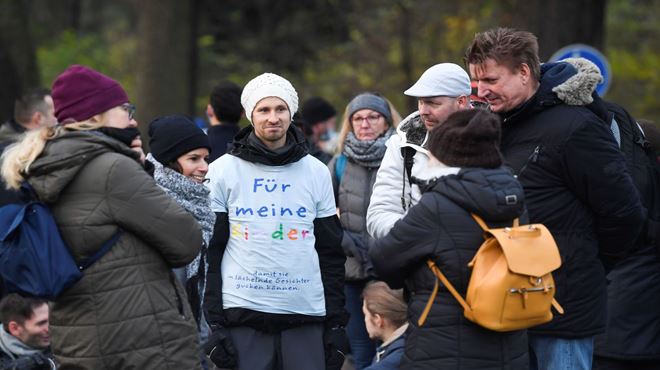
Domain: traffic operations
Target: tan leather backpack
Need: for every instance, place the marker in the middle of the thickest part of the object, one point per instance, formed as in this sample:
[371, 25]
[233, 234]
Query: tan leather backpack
[511, 285]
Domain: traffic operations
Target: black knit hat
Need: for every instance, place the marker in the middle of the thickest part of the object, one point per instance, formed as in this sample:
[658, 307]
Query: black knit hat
[174, 136]
[468, 138]
[317, 110]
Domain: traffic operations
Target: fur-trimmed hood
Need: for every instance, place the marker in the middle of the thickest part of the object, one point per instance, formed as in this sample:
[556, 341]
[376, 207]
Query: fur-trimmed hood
[571, 81]
[413, 133]
[579, 88]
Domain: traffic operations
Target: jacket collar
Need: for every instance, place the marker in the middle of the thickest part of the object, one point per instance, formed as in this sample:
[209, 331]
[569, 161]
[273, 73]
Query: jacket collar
[392, 343]
[248, 147]
[413, 133]
[397, 333]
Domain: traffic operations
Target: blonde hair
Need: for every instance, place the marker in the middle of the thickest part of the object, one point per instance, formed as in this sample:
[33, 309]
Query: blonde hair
[347, 126]
[18, 157]
[388, 303]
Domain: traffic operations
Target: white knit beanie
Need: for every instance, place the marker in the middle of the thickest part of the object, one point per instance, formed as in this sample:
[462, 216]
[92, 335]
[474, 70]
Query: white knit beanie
[267, 85]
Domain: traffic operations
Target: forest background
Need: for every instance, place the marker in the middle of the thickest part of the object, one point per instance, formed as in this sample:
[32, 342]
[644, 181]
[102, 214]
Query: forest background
[169, 54]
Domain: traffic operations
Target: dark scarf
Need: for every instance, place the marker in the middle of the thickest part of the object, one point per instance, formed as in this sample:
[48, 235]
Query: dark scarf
[367, 153]
[248, 147]
[124, 135]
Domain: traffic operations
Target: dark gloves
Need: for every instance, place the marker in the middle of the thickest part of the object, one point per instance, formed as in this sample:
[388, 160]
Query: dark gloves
[348, 244]
[336, 346]
[354, 246]
[220, 349]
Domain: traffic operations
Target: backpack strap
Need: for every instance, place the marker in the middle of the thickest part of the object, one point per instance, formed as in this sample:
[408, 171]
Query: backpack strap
[408, 154]
[557, 306]
[340, 166]
[484, 227]
[85, 263]
[436, 271]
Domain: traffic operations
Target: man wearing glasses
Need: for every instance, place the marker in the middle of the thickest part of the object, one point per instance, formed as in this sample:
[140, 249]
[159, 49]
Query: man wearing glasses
[441, 90]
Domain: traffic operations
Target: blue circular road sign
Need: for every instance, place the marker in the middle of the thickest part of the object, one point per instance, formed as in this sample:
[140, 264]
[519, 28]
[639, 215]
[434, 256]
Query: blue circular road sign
[589, 53]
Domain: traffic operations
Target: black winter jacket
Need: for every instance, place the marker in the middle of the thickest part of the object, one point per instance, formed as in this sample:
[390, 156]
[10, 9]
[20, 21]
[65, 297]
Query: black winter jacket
[440, 227]
[328, 234]
[577, 184]
[634, 284]
[220, 138]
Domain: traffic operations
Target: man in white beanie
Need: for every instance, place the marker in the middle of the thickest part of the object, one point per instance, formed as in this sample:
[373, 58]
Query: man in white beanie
[441, 90]
[274, 293]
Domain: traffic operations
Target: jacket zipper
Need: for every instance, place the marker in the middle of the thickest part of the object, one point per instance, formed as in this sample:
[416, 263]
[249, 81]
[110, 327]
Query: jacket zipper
[533, 158]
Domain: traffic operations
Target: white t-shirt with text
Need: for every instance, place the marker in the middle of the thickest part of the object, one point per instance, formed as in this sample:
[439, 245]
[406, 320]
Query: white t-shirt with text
[270, 263]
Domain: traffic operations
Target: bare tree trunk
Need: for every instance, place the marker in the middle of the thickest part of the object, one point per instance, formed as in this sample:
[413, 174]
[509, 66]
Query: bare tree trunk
[164, 70]
[18, 62]
[406, 23]
[558, 23]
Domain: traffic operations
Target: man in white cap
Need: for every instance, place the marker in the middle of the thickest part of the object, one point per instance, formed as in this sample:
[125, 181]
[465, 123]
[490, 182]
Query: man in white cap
[441, 90]
[274, 293]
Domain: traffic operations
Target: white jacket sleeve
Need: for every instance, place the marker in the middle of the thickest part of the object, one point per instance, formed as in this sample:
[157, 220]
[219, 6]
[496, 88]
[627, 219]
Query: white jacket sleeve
[385, 206]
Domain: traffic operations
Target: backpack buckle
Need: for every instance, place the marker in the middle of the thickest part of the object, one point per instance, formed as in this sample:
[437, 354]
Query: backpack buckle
[511, 200]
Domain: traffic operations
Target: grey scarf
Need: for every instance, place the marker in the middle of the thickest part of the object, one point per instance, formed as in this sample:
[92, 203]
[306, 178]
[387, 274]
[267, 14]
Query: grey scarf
[366, 153]
[193, 197]
[13, 347]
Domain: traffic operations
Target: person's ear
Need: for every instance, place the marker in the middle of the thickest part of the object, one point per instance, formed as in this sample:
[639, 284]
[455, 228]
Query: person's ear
[462, 101]
[36, 119]
[524, 72]
[209, 111]
[379, 320]
[14, 328]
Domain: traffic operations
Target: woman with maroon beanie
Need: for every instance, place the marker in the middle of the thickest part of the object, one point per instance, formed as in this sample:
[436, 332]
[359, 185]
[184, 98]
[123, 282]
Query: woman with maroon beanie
[127, 311]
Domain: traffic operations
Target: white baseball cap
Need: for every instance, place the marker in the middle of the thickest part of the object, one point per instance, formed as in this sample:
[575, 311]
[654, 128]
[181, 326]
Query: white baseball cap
[444, 79]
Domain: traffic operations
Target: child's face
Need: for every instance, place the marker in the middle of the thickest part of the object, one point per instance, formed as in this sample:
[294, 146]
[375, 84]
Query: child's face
[372, 323]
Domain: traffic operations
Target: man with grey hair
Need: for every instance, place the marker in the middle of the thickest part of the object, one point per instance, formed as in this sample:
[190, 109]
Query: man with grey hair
[274, 292]
[441, 90]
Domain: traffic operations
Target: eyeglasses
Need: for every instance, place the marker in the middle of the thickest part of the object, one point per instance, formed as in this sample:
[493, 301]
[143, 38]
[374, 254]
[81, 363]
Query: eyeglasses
[480, 104]
[130, 109]
[371, 119]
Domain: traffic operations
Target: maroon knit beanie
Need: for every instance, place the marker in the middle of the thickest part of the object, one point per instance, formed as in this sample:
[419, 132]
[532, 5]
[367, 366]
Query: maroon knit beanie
[468, 138]
[80, 93]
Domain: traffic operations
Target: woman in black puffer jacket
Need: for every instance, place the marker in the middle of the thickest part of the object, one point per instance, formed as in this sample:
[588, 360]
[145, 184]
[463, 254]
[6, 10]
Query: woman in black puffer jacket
[440, 227]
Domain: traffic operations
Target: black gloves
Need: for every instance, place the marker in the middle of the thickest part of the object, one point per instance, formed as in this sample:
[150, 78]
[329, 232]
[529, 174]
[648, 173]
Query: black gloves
[336, 346]
[220, 349]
